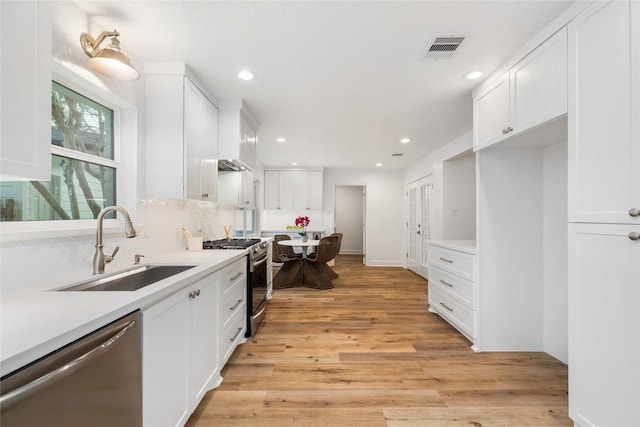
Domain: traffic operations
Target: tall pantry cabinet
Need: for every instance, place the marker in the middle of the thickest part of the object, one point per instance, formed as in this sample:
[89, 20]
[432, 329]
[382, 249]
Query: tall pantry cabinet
[604, 222]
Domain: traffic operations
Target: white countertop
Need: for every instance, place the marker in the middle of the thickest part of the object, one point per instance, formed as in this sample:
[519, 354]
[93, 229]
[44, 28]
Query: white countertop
[33, 323]
[466, 246]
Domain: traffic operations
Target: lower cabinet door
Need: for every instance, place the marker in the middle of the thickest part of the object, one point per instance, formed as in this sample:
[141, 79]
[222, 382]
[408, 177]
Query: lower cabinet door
[604, 325]
[165, 352]
[205, 373]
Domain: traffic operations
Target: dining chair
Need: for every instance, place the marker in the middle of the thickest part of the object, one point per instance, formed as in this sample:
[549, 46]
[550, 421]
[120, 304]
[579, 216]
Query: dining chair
[316, 272]
[330, 271]
[280, 251]
[290, 273]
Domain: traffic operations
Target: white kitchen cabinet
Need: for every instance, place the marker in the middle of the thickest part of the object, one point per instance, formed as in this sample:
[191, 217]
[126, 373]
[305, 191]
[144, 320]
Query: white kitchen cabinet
[232, 308]
[238, 133]
[165, 355]
[604, 188]
[25, 94]
[180, 357]
[236, 188]
[532, 92]
[491, 113]
[604, 135]
[205, 365]
[182, 132]
[293, 190]
[604, 314]
[452, 284]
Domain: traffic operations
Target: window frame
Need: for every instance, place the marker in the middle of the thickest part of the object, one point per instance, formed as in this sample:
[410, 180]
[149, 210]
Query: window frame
[124, 161]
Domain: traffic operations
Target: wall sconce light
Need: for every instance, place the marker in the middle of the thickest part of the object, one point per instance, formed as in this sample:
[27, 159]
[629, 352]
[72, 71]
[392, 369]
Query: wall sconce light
[111, 60]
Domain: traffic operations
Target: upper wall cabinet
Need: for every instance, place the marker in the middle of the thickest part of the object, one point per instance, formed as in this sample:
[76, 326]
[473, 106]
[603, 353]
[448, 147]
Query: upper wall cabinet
[604, 114]
[25, 91]
[182, 132]
[236, 188]
[238, 133]
[293, 190]
[532, 92]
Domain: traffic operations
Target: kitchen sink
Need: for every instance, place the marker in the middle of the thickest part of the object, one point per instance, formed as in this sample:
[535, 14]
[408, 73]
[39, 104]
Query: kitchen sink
[130, 280]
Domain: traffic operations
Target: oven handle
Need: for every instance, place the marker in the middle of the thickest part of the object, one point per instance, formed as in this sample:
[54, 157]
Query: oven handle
[262, 261]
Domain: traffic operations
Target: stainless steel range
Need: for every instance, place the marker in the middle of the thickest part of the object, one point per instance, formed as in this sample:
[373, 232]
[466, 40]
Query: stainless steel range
[256, 277]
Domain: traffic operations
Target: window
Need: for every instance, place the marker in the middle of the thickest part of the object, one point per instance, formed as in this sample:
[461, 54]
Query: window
[83, 167]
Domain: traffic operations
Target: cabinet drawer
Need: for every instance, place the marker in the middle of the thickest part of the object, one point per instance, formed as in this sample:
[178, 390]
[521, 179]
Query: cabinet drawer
[456, 262]
[233, 300]
[461, 289]
[232, 335]
[452, 311]
[231, 274]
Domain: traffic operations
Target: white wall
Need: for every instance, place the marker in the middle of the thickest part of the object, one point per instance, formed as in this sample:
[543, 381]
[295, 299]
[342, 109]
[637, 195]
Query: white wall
[555, 213]
[459, 198]
[349, 218]
[384, 211]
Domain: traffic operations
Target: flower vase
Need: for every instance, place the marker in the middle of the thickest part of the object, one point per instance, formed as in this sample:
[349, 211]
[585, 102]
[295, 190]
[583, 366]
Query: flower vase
[305, 238]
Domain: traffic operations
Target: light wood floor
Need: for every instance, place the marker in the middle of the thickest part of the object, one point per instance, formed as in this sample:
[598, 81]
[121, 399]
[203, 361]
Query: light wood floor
[368, 353]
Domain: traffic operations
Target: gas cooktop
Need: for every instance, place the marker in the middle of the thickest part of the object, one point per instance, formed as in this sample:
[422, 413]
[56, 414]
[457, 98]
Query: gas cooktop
[229, 243]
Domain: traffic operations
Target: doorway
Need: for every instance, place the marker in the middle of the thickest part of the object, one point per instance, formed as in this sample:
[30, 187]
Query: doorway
[349, 219]
[419, 225]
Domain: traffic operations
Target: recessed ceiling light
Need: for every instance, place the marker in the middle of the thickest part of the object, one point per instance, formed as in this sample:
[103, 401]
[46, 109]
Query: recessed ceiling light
[405, 140]
[245, 75]
[378, 164]
[294, 164]
[281, 140]
[472, 75]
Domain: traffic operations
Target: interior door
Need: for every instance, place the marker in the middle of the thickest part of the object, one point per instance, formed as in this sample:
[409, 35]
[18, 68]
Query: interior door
[418, 225]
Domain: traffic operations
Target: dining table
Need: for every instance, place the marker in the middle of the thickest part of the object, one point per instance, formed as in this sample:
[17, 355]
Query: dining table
[299, 243]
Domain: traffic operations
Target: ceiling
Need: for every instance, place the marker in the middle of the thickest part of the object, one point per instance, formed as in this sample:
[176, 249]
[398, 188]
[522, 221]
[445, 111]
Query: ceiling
[342, 81]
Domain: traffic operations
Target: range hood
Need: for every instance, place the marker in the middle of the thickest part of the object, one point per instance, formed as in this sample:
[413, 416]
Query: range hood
[229, 165]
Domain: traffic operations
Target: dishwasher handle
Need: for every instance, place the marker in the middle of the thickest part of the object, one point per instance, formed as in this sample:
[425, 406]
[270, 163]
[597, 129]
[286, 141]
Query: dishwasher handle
[28, 389]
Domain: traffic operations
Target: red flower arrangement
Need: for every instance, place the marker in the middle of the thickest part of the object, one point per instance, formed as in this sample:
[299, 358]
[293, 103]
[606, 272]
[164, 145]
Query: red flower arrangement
[303, 222]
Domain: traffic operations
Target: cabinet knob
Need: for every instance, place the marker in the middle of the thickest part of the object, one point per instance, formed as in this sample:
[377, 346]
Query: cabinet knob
[634, 212]
[634, 236]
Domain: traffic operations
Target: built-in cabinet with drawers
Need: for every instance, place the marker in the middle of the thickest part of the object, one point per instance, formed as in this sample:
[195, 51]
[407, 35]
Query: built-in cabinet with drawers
[532, 92]
[452, 283]
[296, 190]
[182, 136]
[187, 339]
[25, 104]
[604, 215]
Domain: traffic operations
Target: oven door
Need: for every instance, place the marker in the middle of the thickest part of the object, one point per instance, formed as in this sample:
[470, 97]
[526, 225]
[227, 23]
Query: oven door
[257, 294]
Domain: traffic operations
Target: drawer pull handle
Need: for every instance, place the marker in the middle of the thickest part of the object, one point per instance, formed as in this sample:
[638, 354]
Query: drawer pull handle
[446, 283]
[446, 260]
[445, 306]
[634, 212]
[235, 276]
[236, 335]
[235, 305]
[634, 236]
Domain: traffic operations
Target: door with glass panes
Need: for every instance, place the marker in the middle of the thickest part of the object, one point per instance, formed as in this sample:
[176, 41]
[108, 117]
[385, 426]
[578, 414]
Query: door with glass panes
[418, 225]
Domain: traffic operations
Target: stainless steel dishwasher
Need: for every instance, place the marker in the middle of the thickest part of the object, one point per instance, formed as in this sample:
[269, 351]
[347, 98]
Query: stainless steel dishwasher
[94, 381]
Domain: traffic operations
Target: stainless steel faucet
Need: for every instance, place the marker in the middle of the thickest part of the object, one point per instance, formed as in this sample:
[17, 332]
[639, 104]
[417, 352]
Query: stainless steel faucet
[99, 258]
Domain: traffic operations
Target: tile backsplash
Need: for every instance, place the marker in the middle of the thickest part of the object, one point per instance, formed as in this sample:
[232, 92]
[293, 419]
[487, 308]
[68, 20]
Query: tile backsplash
[47, 263]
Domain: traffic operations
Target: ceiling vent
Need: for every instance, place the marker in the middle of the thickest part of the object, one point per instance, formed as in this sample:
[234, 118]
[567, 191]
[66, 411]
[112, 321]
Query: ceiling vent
[443, 46]
[397, 155]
